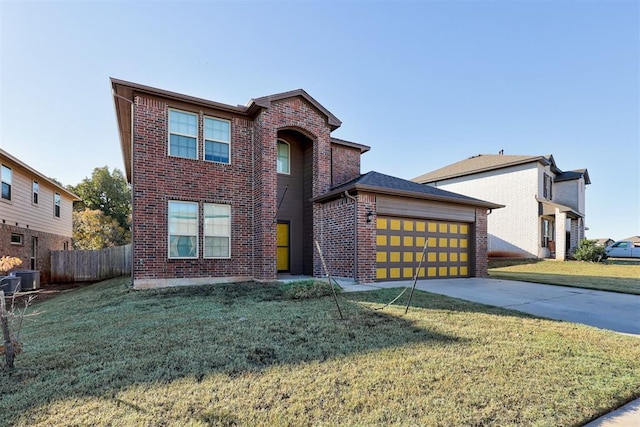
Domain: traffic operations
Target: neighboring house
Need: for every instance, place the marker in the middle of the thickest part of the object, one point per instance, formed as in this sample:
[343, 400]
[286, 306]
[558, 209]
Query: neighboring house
[634, 239]
[226, 193]
[603, 242]
[35, 216]
[544, 207]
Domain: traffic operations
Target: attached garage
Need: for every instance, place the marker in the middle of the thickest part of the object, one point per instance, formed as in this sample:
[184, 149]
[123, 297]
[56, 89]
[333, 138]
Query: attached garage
[392, 222]
[400, 243]
[406, 227]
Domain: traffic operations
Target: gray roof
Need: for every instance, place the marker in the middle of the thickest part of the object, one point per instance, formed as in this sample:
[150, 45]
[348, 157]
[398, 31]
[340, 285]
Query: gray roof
[489, 162]
[375, 182]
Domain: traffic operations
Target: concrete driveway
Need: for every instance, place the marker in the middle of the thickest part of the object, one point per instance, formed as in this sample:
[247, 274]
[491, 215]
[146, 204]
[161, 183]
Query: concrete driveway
[605, 310]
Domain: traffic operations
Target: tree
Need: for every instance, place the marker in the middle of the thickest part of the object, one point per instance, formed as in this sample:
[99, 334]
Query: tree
[108, 192]
[92, 229]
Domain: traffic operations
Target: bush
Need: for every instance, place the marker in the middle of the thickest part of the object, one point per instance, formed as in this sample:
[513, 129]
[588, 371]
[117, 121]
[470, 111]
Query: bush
[306, 289]
[587, 250]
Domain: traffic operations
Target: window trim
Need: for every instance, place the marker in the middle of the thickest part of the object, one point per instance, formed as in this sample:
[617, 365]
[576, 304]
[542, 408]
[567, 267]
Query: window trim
[205, 235]
[20, 238]
[35, 192]
[169, 133]
[8, 183]
[205, 139]
[547, 186]
[278, 142]
[197, 235]
[57, 205]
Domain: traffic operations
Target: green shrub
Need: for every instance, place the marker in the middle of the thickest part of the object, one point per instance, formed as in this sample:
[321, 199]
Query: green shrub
[587, 250]
[305, 289]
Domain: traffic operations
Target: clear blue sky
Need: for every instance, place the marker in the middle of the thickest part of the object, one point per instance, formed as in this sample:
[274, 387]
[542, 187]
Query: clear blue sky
[424, 83]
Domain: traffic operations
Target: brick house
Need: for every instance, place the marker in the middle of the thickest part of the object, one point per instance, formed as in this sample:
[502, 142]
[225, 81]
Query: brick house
[35, 214]
[226, 193]
[544, 206]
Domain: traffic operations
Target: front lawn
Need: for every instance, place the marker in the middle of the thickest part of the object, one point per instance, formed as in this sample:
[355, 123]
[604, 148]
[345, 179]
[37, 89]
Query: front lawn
[244, 354]
[601, 276]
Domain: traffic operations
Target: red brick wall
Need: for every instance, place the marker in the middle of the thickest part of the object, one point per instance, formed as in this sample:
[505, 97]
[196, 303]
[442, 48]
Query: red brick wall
[345, 164]
[47, 242]
[366, 238]
[296, 115]
[481, 259]
[158, 178]
[248, 184]
[335, 233]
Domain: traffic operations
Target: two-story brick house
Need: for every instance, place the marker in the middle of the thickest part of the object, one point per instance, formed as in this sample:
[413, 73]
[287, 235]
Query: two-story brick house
[544, 214]
[35, 215]
[226, 193]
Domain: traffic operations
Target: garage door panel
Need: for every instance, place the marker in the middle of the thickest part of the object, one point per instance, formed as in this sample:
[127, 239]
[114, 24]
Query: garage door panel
[400, 242]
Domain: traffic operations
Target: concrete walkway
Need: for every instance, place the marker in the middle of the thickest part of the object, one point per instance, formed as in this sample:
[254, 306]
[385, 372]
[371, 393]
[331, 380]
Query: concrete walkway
[605, 310]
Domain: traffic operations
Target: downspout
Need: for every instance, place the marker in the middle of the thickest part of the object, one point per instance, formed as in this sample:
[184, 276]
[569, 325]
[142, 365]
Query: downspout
[253, 195]
[133, 106]
[355, 234]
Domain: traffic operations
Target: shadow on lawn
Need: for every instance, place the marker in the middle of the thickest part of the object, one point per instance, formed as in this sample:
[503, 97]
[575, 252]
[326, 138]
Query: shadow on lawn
[103, 338]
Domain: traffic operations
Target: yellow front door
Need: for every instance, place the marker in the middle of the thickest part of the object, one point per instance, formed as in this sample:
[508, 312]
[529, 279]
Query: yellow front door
[282, 241]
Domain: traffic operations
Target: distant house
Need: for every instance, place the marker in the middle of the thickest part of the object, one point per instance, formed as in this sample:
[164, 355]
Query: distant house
[544, 214]
[634, 239]
[225, 193]
[35, 215]
[603, 242]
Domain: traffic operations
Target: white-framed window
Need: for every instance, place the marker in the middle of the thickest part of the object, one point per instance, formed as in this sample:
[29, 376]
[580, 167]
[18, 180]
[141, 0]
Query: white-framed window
[183, 229]
[6, 175]
[547, 232]
[217, 231]
[183, 134]
[36, 192]
[16, 239]
[217, 140]
[284, 155]
[56, 205]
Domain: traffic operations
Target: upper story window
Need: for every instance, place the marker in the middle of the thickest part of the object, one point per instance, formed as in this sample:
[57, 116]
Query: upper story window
[217, 138]
[183, 134]
[36, 191]
[56, 205]
[6, 175]
[183, 229]
[217, 231]
[547, 187]
[283, 157]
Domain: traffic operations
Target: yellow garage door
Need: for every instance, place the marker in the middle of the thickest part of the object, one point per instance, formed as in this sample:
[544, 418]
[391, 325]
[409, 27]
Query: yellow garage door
[400, 242]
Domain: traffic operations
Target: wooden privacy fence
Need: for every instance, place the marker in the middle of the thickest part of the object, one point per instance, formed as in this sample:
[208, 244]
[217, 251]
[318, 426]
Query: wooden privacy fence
[84, 266]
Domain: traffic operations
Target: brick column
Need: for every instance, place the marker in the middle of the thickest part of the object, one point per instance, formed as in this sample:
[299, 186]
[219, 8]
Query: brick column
[481, 260]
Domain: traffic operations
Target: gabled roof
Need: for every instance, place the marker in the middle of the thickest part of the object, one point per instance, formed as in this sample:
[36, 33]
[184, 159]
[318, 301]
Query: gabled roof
[40, 176]
[375, 182]
[361, 147]
[571, 175]
[490, 162]
[476, 164]
[123, 94]
[265, 102]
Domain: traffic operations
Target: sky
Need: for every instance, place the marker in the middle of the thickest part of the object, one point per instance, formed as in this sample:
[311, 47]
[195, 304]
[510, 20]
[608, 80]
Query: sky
[423, 83]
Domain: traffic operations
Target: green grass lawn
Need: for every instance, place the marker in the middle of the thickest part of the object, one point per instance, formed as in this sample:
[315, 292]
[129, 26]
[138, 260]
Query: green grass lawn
[623, 278]
[244, 354]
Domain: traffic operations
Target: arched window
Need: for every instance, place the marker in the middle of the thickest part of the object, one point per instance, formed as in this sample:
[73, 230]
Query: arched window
[283, 157]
